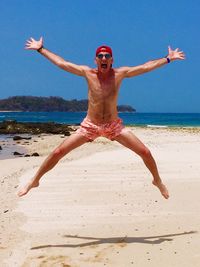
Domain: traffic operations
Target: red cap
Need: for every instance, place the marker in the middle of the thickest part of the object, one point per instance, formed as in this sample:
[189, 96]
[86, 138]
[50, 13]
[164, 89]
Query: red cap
[104, 48]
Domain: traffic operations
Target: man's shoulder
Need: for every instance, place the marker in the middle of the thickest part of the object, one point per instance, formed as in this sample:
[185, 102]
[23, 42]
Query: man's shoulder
[87, 70]
[121, 69]
[90, 70]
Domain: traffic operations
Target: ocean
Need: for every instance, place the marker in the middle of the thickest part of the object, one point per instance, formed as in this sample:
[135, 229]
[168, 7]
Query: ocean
[135, 119]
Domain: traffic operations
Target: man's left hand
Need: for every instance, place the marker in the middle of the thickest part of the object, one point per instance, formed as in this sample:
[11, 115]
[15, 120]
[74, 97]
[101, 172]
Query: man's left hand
[175, 54]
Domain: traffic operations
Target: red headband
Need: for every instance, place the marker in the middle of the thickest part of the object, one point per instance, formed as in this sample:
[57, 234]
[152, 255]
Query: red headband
[104, 48]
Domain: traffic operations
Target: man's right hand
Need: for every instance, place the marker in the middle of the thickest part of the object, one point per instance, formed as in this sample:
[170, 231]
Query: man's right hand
[32, 44]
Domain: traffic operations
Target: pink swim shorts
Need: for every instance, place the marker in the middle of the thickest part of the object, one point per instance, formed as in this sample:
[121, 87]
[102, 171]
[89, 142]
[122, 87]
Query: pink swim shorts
[109, 130]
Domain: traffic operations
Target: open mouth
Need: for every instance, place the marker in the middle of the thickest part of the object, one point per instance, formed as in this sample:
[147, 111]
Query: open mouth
[104, 66]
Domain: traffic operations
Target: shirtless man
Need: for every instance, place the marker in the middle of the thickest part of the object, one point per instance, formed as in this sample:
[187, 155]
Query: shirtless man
[102, 116]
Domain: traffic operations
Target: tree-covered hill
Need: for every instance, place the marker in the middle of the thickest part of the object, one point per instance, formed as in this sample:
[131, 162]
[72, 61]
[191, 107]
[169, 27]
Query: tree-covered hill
[52, 103]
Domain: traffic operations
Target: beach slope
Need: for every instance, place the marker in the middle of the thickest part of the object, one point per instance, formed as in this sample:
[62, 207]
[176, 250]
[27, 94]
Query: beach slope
[98, 207]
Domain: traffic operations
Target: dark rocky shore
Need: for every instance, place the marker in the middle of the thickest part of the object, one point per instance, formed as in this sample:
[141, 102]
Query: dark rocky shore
[17, 134]
[14, 127]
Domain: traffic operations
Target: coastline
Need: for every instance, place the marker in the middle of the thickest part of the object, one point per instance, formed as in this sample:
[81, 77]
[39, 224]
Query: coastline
[129, 118]
[28, 147]
[102, 190]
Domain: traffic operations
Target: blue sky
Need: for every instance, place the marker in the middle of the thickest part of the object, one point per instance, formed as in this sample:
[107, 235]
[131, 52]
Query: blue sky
[138, 31]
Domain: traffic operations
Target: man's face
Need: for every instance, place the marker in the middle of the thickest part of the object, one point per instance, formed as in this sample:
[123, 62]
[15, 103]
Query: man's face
[104, 61]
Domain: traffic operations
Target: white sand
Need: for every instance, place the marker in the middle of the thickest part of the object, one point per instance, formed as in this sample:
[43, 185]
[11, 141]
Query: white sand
[97, 207]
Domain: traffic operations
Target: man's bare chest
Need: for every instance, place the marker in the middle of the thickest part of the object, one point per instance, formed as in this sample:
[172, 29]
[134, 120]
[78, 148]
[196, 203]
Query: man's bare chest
[104, 88]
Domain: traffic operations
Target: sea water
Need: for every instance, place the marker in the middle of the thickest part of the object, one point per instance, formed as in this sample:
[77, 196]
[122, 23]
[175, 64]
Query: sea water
[135, 118]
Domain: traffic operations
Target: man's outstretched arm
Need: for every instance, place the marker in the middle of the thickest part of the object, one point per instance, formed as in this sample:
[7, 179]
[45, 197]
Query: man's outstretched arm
[33, 44]
[153, 64]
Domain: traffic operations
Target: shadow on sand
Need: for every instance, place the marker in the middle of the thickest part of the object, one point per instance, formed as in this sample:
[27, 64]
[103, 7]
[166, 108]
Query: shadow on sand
[91, 241]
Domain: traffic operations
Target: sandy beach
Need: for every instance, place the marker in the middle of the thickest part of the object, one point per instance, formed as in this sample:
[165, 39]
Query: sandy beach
[98, 207]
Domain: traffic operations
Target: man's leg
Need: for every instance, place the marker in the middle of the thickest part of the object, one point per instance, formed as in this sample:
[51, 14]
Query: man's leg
[69, 144]
[129, 140]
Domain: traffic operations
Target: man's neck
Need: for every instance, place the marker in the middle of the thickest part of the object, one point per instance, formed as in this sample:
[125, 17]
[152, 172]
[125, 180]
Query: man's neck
[105, 75]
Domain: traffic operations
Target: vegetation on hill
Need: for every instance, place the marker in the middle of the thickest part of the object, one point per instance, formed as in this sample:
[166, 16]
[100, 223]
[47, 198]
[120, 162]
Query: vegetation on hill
[52, 103]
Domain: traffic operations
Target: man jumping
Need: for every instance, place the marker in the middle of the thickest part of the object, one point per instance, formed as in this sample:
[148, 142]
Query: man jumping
[102, 116]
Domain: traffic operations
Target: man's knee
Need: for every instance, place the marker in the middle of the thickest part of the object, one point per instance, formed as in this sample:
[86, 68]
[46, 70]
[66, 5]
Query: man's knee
[58, 153]
[145, 153]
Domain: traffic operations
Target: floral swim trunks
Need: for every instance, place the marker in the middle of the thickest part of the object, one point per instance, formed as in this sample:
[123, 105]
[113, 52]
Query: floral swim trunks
[109, 130]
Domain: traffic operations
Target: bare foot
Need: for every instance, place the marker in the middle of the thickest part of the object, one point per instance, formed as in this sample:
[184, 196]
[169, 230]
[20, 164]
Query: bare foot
[162, 188]
[24, 190]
